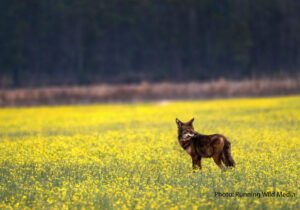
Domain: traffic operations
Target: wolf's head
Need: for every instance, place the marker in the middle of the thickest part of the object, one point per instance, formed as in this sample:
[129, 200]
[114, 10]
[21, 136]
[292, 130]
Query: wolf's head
[185, 130]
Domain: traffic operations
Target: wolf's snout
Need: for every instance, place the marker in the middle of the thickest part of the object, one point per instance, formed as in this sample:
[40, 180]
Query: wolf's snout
[189, 135]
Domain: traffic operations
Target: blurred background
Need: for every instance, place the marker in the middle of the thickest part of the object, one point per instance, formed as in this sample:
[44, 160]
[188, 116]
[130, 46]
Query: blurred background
[63, 48]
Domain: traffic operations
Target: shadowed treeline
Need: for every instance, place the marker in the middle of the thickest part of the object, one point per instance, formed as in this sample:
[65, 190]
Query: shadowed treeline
[63, 42]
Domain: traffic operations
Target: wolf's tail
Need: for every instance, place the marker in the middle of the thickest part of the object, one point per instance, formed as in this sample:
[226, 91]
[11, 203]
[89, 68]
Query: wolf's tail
[227, 157]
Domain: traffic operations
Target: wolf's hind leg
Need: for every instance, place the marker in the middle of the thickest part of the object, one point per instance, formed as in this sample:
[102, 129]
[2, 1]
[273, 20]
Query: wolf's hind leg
[223, 159]
[217, 158]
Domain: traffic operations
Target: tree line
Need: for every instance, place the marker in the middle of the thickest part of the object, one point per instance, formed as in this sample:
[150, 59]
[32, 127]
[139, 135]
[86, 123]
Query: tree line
[63, 42]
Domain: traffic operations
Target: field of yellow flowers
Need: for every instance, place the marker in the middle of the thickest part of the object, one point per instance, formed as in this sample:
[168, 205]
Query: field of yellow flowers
[126, 156]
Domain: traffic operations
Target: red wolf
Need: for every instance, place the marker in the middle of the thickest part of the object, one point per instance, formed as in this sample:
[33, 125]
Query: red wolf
[200, 146]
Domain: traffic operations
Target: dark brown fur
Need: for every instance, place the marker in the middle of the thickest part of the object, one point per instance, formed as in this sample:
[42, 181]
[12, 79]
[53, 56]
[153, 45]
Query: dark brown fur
[200, 146]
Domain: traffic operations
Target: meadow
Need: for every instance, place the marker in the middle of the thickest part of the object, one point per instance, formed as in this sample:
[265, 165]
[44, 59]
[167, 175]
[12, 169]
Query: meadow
[126, 156]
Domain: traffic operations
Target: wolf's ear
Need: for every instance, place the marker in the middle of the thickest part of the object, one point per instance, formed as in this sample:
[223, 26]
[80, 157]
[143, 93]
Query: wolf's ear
[190, 122]
[179, 123]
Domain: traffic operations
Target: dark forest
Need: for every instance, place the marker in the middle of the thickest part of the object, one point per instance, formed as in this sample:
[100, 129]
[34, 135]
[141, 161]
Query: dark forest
[63, 42]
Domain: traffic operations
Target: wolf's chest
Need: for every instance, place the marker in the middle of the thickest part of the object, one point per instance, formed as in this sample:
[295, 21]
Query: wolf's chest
[186, 145]
[189, 150]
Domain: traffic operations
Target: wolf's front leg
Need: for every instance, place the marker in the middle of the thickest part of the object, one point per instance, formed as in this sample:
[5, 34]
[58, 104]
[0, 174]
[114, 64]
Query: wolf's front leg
[196, 162]
[199, 162]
